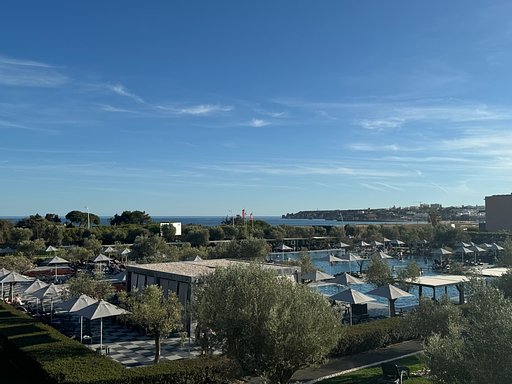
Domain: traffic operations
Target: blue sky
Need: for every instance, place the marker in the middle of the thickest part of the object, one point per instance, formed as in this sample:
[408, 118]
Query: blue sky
[203, 107]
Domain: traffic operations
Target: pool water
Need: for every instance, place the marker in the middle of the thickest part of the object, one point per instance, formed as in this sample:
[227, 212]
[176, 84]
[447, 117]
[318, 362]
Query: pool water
[330, 289]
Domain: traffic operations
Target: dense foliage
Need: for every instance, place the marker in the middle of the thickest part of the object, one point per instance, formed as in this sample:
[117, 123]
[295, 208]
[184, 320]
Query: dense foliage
[48, 357]
[270, 325]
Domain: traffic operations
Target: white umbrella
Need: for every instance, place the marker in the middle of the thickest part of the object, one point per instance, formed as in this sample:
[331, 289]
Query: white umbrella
[56, 261]
[463, 251]
[391, 293]
[349, 256]
[317, 276]
[362, 244]
[345, 279]
[462, 244]
[109, 249]
[381, 255]
[440, 252]
[50, 292]
[343, 245]
[125, 253]
[331, 259]
[3, 272]
[99, 310]
[351, 296]
[75, 304]
[376, 243]
[13, 278]
[51, 248]
[397, 243]
[497, 247]
[100, 259]
[35, 286]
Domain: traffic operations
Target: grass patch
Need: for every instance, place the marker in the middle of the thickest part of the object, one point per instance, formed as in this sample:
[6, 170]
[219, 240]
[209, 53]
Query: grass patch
[373, 374]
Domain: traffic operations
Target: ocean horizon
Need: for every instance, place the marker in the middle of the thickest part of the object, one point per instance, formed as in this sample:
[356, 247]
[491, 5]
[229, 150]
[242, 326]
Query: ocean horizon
[211, 221]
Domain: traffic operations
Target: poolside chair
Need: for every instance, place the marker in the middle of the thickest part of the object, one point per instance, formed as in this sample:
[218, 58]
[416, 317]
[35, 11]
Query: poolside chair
[391, 373]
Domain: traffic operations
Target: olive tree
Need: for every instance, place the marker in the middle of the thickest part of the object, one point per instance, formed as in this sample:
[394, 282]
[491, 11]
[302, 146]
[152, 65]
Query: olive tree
[379, 272]
[478, 349]
[156, 314]
[269, 325]
[93, 286]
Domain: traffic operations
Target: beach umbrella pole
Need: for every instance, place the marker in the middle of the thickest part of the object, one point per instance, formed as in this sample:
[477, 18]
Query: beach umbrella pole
[81, 328]
[101, 335]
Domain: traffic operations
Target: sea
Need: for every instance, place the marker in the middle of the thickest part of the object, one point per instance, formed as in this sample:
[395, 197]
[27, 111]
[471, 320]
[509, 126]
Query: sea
[211, 221]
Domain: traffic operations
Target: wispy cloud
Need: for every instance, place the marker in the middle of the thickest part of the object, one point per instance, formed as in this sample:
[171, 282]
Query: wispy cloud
[27, 73]
[122, 91]
[10, 125]
[110, 108]
[257, 123]
[382, 124]
[203, 109]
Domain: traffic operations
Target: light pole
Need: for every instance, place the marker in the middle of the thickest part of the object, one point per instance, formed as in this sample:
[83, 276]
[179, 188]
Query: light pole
[88, 219]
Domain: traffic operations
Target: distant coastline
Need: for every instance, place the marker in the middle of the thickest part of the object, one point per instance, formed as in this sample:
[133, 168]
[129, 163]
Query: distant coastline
[211, 221]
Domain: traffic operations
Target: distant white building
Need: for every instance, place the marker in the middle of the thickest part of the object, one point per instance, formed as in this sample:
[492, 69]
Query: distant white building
[176, 226]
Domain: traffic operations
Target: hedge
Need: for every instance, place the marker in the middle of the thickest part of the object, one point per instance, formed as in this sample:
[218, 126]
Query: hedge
[371, 335]
[49, 357]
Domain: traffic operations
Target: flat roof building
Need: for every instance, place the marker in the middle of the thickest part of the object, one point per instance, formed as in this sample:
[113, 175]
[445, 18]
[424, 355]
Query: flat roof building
[498, 212]
[179, 277]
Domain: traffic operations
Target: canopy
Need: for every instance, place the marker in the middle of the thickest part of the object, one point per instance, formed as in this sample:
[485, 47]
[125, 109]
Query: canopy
[126, 251]
[101, 258]
[109, 249]
[99, 310]
[75, 304]
[349, 256]
[317, 276]
[283, 247]
[58, 260]
[462, 244]
[463, 250]
[36, 285]
[49, 291]
[14, 277]
[198, 258]
[476, 248]
[51, 248]
[376, 243]
[440, 251]
[343, 245]
[331, 259]
[352, 296]
[381, 255]
[497, 247]
[345, 279]
[4, 272]
[397, 242]
[391, 293]
[362, 244]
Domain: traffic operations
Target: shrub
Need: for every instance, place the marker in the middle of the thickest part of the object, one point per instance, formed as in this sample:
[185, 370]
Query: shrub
[367, 336]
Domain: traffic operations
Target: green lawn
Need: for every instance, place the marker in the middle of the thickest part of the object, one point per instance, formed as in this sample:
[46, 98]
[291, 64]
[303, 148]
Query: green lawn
[372, 375]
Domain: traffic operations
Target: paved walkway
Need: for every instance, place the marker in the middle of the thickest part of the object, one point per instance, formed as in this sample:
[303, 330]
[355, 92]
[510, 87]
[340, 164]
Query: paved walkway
[346, 364]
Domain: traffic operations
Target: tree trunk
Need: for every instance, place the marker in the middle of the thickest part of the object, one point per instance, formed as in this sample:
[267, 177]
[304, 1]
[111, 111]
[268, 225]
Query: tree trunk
[157, 348]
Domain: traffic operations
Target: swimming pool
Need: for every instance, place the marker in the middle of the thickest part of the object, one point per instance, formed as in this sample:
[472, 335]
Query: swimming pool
[405, 302]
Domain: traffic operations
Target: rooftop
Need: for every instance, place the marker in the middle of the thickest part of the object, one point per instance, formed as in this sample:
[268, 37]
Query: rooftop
[194, 269]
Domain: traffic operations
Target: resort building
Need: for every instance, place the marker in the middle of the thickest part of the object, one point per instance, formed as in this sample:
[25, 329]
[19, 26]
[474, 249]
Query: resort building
[179, 277]
[498, 212]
